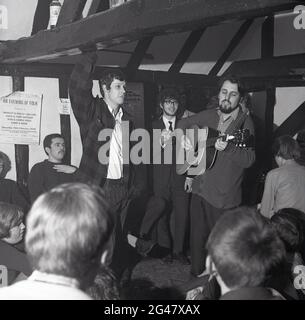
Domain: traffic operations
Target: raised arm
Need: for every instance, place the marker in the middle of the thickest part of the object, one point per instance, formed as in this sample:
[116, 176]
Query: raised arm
[80, 90]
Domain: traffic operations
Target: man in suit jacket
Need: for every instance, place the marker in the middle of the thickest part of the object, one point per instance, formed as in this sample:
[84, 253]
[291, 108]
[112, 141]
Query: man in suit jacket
[219, 188]
[168, 187]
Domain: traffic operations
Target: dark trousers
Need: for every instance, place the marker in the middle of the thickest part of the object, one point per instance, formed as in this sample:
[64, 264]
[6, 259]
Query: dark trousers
[203, 219]
[116, 192]
[155, 214]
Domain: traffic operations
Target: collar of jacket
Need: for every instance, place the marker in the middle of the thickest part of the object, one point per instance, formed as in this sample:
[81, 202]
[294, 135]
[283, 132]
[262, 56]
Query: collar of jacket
[106, 118]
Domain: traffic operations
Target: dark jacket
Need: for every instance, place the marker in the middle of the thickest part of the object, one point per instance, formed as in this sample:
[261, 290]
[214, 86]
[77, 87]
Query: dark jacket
[221, 185]
[164, 174]
[93, 116]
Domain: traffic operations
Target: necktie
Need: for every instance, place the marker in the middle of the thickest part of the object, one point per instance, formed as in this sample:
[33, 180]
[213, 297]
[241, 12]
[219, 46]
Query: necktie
[170, 126]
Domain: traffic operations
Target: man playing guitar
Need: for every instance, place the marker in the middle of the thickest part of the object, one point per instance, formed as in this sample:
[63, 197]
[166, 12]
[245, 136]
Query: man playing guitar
[218, 188]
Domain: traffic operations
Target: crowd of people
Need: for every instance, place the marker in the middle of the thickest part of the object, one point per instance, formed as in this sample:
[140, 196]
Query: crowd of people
[75, 218]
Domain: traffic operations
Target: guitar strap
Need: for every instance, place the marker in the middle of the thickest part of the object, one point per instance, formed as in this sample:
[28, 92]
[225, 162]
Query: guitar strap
[238, 122]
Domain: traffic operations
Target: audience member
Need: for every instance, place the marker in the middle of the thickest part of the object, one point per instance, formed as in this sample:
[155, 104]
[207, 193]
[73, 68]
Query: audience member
[67, 239]
[11, 233]
[51, 172]
[105, 285]
[285, 185]
[290, 231]
[243, 253]
[9, 190]
[301, 142]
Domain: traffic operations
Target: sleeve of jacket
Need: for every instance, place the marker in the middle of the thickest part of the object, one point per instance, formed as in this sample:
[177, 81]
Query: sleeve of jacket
[35, 183]
[267, 204]
[80, 91]
[244, 157]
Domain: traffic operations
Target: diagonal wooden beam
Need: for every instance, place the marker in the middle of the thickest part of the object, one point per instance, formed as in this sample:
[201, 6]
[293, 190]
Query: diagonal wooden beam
[136, 20]
[293, 123]
[138, 55]
[231, 47]
[71, 11]
[267, 35]
[42, 16]
[267, 49]
[186, 50]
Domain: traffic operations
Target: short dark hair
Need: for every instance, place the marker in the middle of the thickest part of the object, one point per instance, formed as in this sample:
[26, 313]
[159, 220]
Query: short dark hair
[233, 79]
[107, 78]
[169, 93]
[286, 147]
[47, 141]
[7, 165]
[289, 229]
[301, 138]
[245, 248]
[10, 217]
[68, 229]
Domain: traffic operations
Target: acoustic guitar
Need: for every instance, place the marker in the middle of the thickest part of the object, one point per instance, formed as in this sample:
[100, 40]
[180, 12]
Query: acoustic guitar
[203, 154]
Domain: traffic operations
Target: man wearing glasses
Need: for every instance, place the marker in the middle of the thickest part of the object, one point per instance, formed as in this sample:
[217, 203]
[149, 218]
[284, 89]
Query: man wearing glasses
[169, 189]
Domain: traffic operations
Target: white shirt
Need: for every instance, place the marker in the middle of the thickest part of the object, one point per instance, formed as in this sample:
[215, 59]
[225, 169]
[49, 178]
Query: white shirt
[41, 286]
[167, 124]
[115, 167]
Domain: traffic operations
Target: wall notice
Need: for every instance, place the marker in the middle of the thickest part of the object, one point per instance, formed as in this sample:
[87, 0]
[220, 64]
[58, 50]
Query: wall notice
[20, 117]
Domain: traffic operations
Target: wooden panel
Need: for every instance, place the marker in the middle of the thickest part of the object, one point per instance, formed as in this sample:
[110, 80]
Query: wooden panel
[21, 150]
[65, 122]
[71, 11]
[267, 49]
[136, 20]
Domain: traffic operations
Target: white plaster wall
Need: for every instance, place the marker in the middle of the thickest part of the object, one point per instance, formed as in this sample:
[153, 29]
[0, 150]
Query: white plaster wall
[5, 89]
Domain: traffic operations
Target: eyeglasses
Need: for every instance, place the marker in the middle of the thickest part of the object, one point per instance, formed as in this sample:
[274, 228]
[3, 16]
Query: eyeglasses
[175, 102]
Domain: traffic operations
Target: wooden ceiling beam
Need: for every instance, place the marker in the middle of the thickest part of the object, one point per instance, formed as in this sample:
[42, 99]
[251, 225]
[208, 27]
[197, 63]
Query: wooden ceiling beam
[274, 66]
[135, 20]
[56, 70]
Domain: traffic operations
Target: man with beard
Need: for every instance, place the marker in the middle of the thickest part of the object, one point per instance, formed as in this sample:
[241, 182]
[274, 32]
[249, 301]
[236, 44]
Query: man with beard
[51, 172]
[169, 189]
[219, 188]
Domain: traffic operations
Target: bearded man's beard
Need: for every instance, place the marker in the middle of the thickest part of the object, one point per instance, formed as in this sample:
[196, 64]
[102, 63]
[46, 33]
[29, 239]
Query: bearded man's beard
[225, 107]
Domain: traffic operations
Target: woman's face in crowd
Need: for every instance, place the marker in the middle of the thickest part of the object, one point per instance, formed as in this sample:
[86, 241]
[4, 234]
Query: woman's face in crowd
[17, 233]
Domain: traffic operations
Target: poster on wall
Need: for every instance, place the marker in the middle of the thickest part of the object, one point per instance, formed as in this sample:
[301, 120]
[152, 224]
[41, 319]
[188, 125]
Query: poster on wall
[20, 118]
[134, 103]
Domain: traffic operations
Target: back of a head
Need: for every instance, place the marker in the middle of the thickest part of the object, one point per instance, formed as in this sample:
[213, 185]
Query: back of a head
[286, 147]
[68, 229]
[290, 231]
[10, 216]
[301, 138]
[244, 248]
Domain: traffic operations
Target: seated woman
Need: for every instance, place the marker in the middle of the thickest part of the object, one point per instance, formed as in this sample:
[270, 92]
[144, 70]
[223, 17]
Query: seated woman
[11, 234]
